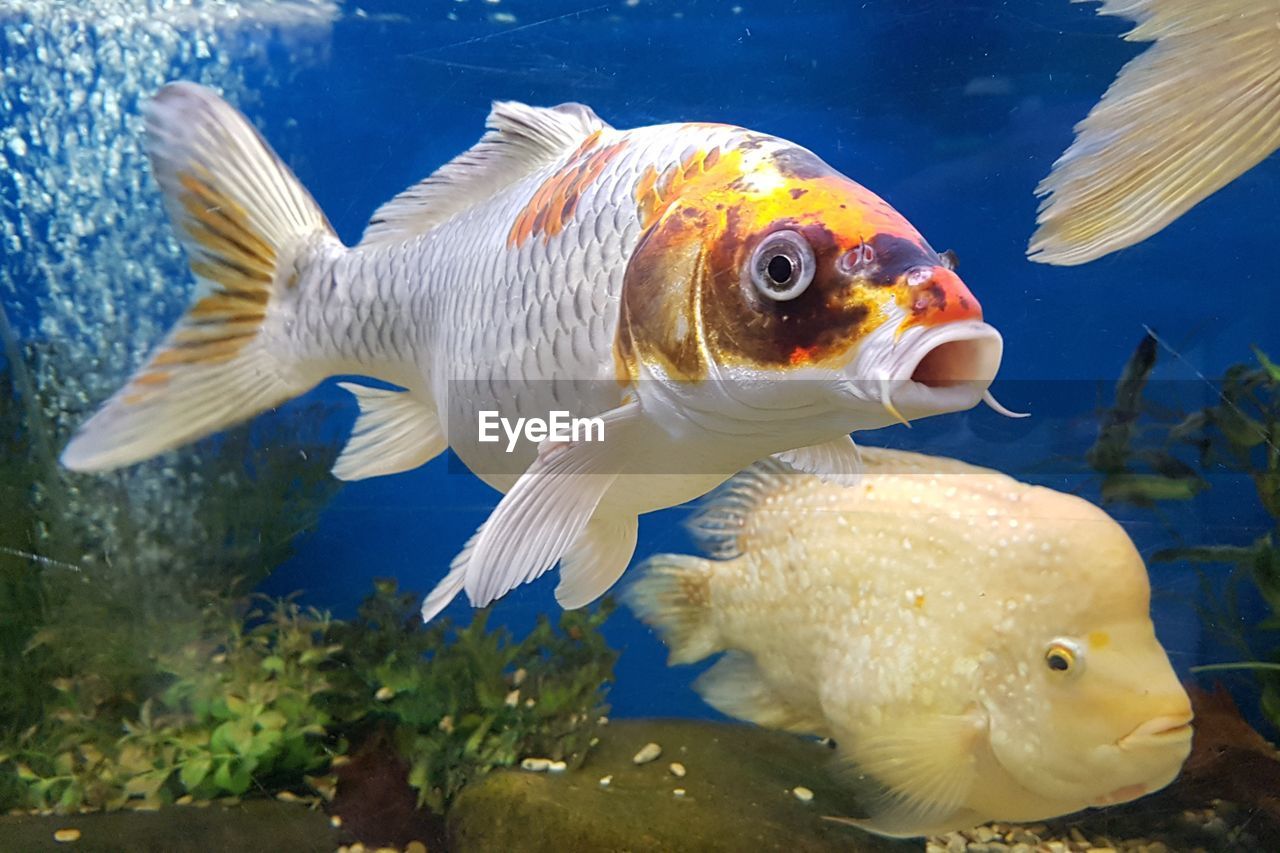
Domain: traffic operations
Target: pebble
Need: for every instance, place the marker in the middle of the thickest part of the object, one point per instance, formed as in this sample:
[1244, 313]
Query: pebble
[606, 781]
[1101, 850]
[677, 769]
[648, 752]
[557, 767]
[803, 794]
[535, 765]
[984, 833]
[335, 821]
[384, 694]
[513, 698]
[415, 847]
[679, 792]
[66, 836]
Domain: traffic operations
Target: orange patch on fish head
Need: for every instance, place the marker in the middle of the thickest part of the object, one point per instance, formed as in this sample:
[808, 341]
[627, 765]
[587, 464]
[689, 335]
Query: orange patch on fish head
[762, 256]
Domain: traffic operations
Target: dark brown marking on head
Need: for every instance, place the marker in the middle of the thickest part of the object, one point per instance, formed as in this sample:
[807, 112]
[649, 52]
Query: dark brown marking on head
[800, 164]
[796, 192]
[893, 256]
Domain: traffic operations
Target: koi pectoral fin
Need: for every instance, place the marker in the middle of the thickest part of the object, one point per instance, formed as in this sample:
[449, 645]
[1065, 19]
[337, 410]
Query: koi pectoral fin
[545, 513]
[836, 461]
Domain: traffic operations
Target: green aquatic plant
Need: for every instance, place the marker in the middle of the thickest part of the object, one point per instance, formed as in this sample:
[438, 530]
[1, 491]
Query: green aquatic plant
[262, 701]
[460, 702]
[1148, 455]
[231, 710]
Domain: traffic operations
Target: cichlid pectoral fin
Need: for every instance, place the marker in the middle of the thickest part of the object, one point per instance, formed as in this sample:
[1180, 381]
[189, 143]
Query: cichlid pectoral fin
[395, 432]
[735, 686]
[537, 522]
[836, 461]
[925, 766]
[596, 560]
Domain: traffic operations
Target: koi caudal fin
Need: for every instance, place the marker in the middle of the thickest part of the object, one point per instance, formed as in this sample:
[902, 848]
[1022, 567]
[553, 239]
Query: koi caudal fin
[246, 223]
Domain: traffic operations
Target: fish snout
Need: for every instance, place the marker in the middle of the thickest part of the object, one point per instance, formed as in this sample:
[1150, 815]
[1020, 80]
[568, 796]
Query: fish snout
[937, 295]
[1159, 731]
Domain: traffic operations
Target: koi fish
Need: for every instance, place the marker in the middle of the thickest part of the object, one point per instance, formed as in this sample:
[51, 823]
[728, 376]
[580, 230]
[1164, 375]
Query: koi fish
[710, 294]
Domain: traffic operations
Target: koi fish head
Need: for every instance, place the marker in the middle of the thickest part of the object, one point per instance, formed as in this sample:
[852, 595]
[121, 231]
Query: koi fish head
[759, 261]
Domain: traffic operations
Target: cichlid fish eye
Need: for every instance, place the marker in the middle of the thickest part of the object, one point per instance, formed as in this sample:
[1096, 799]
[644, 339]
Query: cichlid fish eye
[782, 266]
[1061, 656]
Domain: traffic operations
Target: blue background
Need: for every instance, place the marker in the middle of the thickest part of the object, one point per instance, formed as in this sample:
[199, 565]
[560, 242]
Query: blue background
[952, 111]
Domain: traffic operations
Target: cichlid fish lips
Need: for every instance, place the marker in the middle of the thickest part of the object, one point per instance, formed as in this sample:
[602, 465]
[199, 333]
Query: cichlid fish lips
[709, 295]
[980, 649]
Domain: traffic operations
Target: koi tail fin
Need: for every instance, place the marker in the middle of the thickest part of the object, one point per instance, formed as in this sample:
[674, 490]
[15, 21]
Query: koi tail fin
[248, 226]
[1182, 120]
[673, 595]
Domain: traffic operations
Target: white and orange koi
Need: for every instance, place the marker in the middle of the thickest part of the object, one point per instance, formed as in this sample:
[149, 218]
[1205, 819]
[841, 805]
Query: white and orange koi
[666, 280]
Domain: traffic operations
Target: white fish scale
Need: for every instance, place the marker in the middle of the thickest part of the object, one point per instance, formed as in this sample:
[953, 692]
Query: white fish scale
[456, 311]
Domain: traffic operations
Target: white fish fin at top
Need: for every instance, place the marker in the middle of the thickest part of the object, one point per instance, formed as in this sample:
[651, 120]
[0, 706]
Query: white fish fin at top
[248, 227]
[1182, 120]
[596, 560]
[537, 522]
[927, 767]
[520, 140]
[395, 432]
[720, 522]
[837, 461]
[735, 686]
[673, 595]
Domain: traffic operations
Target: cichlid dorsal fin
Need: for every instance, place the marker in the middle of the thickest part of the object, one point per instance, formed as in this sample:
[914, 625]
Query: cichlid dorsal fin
[720, 522]
[520, 140]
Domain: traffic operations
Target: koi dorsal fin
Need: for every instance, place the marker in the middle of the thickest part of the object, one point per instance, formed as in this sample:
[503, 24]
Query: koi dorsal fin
[520, 139]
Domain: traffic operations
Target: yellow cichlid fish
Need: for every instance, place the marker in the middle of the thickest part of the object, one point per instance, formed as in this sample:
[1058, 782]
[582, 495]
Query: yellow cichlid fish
[979, 648]
[665, 280]
[1181, 121]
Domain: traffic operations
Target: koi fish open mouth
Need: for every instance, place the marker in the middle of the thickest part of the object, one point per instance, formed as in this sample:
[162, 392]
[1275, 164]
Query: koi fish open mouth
[948, 369]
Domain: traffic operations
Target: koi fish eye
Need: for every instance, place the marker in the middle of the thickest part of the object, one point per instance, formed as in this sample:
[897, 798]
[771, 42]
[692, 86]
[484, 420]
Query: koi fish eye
[1063, 656]
[782, 266]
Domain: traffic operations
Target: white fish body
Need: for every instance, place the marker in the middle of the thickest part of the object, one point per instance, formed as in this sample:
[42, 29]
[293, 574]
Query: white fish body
[559, 264]
[919, 618]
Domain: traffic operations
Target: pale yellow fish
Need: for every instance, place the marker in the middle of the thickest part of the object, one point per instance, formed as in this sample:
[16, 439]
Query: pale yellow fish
[979, 648]
[1189, 115]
